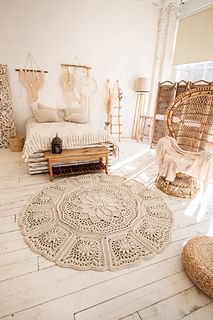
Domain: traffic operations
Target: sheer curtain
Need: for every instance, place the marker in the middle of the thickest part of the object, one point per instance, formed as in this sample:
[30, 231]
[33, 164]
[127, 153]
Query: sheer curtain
[166, 36]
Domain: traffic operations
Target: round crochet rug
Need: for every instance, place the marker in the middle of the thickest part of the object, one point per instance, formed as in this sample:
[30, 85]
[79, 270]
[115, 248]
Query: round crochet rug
[96, 222]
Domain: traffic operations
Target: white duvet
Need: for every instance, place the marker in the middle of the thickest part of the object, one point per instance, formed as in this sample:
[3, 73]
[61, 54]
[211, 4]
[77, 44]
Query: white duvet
[40, 135]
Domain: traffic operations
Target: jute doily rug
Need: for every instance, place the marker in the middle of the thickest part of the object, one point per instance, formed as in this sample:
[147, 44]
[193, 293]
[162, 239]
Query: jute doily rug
[96, 222]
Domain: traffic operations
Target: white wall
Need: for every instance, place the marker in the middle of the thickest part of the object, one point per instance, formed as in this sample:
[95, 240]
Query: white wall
[115, 37]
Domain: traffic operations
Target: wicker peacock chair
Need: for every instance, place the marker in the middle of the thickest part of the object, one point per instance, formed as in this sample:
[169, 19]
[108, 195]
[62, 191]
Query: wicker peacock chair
[190, 122]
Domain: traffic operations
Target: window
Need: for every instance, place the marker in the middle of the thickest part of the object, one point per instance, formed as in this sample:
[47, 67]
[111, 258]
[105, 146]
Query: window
[194, 71]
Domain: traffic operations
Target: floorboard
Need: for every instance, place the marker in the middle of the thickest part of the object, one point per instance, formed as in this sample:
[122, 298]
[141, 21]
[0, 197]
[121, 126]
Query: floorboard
[31, 287]
[177, 306]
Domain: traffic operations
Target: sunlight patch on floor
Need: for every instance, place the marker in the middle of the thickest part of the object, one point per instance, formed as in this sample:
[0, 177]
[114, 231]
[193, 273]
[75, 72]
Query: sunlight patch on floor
[144, 177]
[130, 168]
[124, 162]
[199, 204]
[139, 172]
[210, 231]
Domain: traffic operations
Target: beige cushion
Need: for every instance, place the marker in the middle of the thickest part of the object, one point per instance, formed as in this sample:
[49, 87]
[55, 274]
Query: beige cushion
[77, 115]
[61, 114]
[43, 107]
[60, 111]
[42, 112]
[77, 118]
[46, 115]
[34, 107]
[69, 111]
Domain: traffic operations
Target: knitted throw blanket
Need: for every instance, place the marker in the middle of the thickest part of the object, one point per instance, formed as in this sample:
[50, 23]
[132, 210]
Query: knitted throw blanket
[40, 135]
[171, 159]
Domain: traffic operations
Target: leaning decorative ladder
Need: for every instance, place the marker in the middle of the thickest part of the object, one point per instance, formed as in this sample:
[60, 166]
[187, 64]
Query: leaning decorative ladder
[115, 117]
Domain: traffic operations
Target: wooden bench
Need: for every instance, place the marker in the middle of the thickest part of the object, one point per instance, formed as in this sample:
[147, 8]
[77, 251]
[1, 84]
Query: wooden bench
[76, 155]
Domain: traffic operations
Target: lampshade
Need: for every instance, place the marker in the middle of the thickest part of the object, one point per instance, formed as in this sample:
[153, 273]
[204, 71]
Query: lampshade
[141, 85]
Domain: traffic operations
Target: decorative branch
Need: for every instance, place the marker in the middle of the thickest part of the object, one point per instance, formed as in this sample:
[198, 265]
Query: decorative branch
[31, 70]
[75, 66]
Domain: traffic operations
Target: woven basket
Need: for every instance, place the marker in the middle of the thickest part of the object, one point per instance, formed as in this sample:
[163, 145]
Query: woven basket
[16, 143]
[197, 258]
[183, 186]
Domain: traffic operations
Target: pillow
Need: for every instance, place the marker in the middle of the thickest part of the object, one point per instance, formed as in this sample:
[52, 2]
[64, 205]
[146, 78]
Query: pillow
[74, 105]
[60, 111]
[37, 107]
[34, 107]
[70, 111]
[77, 118]
[43, 107]
[46, 115]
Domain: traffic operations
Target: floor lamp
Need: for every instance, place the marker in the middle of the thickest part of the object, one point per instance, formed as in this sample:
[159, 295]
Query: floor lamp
[141, 87]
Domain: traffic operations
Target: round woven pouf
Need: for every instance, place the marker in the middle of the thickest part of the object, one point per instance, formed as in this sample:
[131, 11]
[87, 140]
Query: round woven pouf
[198, 262]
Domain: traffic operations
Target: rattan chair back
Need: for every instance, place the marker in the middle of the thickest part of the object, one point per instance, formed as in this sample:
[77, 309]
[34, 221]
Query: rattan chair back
[190, 119]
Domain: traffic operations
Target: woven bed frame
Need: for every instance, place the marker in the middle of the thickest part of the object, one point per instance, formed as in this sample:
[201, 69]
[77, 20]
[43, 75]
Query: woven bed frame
[190, 121]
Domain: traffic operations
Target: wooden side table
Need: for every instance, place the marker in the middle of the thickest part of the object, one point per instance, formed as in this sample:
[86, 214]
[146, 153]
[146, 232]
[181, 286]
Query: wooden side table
[82, 154]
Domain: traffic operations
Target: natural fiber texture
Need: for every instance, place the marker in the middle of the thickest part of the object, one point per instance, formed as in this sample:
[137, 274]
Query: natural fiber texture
[189, 121]
[172, 159]
[73, 135]
[183, 186]
[7, 125]
[78, 87]
[31, 78]
[198, 262]
[69, 85]
[33, 82]
[16, 143]
[96, 222]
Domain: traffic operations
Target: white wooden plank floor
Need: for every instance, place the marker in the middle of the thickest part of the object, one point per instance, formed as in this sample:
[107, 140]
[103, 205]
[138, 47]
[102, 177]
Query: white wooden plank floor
[31, 287]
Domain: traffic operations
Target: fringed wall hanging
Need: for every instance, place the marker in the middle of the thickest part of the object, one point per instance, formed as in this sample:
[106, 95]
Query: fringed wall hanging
[88, 87]
[7, 126]
[78, 86]
[69, 83]
[113, 109]
[109, 106]
[32, 78]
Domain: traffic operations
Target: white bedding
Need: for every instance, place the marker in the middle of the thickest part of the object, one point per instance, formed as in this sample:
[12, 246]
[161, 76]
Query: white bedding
[40, 135]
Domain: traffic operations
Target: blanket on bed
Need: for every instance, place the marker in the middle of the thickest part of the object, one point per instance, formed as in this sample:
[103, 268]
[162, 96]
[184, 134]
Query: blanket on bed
[39, 136]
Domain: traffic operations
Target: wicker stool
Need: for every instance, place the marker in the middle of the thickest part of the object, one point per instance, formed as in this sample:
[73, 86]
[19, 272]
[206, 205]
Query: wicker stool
[198, 262]
[183, 186]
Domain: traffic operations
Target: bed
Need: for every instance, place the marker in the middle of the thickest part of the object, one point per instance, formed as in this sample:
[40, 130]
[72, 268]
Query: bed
[73, 135]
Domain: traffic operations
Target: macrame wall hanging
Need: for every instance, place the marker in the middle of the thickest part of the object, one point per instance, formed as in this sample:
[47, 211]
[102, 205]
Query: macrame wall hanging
[32, 78]
[78, 86]
[7, 126]
[113, 109]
